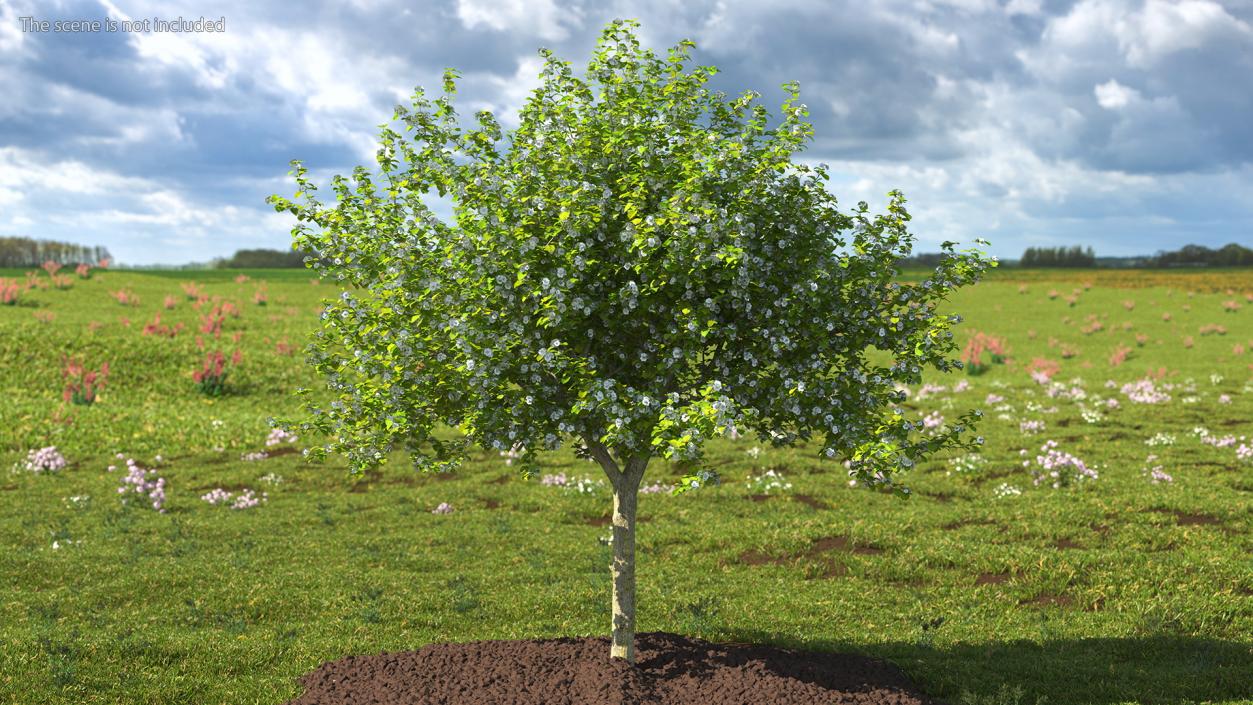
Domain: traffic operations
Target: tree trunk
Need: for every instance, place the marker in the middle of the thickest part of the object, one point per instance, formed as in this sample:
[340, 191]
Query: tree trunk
[626, 486]
[622, 569]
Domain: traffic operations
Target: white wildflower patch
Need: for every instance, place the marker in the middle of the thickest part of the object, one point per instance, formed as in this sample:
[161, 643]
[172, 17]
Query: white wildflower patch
[767, 482]
[1005, 490]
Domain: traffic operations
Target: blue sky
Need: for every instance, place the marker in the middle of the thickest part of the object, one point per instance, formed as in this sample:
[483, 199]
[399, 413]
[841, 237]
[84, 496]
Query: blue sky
[1126, 125]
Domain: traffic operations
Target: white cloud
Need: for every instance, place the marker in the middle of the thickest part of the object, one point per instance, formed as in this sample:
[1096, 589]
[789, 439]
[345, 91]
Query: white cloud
[1112, 110]
[1163, 28]
[11, 37]
[1140, 36]
[24, 170]
[541, 18]
[1113, 95]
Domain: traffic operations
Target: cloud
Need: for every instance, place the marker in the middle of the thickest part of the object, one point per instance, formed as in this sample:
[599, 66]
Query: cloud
[1163, 28]
[540, 18]
[1026, 121]
[1113, 95]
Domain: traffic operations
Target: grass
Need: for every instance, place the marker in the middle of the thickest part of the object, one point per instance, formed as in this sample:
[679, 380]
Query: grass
[1114, 591]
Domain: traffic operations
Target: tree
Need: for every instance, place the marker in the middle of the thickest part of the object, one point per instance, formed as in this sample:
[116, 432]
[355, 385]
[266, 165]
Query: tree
[637, 268]
[1074, 256]
[1231, 255]
[27, 252]
[262, 259]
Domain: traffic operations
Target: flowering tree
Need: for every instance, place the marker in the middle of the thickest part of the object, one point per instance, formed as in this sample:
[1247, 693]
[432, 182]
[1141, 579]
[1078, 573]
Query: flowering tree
[637, 268]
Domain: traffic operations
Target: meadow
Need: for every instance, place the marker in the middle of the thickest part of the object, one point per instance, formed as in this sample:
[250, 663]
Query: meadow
[1096, 551]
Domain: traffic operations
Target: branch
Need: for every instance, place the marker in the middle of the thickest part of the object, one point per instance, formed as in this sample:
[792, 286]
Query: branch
[601, 454]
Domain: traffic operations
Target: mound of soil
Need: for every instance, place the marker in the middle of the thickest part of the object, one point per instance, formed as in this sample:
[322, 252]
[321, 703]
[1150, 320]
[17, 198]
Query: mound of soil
[669, 670]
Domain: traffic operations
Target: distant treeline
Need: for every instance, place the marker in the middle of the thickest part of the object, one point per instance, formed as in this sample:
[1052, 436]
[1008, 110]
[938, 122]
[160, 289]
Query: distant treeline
[1232, 255]
[1033, 257]
[1058, 257]
[28, 252]
[262, 259]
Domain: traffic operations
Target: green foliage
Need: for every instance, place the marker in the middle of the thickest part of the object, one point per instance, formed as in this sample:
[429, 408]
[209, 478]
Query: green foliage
[640, 265]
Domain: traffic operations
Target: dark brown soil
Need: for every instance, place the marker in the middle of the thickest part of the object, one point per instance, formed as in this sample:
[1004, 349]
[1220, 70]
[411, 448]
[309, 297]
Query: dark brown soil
[991, 578]
[759, 497]
[810, 501]
[1066, 544]
[491, 503]
[670, 670]
[960, 523]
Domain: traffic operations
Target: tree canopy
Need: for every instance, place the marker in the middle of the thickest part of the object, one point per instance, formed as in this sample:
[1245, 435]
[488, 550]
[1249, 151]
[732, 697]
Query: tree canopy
[639, 266]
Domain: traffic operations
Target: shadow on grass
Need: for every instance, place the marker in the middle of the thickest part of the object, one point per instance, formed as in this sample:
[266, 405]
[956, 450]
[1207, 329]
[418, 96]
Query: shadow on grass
[1100, 671]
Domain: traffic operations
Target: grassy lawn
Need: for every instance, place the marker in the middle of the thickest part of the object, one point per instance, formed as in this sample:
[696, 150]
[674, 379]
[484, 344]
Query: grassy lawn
[984, 586]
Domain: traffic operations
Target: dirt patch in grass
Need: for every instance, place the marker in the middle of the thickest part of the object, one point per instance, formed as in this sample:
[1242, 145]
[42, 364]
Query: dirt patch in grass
[491, 503]
[670, 670]
[991, 578]
[810, 501]
[960, 523]
[1066, 544]
[1047, 600]
[759, 497]
[498, 481]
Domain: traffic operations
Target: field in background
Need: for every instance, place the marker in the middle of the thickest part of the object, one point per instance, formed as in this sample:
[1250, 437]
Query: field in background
[1126, 587]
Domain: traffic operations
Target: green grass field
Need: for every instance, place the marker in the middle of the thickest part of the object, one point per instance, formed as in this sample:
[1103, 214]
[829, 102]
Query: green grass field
[984, 586]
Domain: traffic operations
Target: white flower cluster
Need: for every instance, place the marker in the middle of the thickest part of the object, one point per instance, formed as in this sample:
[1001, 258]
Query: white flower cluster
[767, 482]
[45, 460]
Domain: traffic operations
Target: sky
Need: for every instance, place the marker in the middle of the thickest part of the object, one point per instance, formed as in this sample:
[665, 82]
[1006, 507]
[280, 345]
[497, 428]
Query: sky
[1125, 125]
